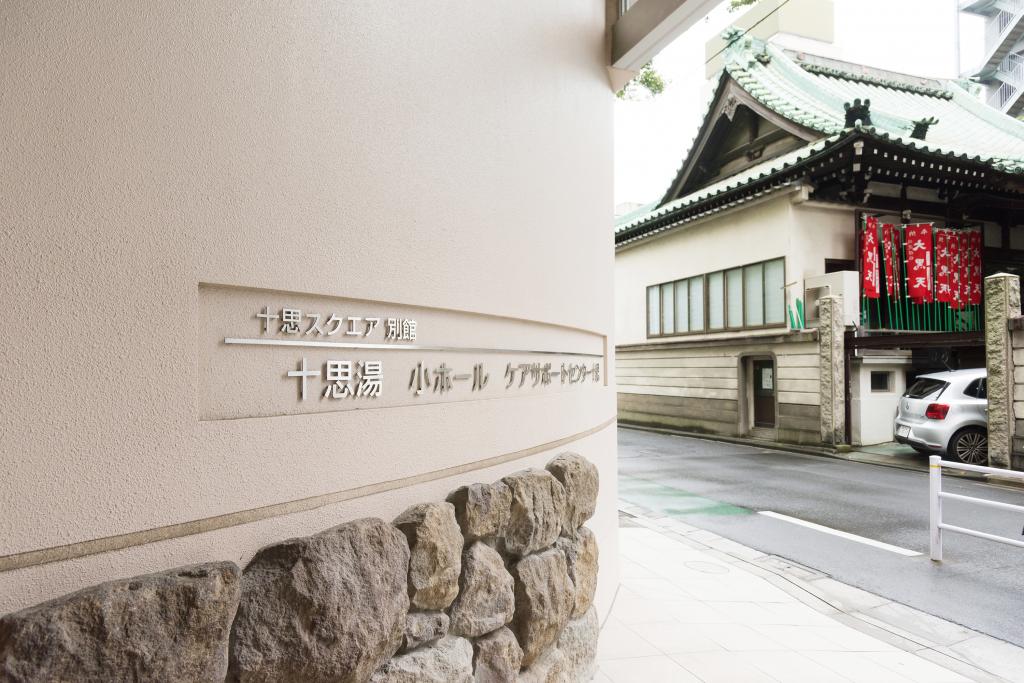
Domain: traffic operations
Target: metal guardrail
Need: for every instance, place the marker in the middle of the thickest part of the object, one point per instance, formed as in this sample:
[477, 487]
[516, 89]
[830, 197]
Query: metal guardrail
[936, 495]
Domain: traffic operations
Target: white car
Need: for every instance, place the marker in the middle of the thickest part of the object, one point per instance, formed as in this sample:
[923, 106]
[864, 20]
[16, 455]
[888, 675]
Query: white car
[946, 413]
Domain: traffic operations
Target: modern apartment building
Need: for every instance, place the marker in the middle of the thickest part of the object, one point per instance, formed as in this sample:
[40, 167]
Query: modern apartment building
[1002, 68]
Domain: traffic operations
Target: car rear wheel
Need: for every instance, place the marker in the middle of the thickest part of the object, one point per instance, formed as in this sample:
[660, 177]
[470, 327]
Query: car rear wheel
[970, 446]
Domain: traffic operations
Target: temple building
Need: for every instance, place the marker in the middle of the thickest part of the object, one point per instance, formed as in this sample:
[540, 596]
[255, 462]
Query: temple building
[720, 283]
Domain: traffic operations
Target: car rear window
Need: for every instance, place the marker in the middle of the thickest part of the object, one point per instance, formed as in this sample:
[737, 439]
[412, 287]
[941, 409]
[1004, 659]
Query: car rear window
[977, 388]
[925, 386]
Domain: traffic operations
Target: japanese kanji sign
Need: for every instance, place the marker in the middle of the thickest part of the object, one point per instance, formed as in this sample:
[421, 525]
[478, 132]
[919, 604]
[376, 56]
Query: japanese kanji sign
[919, 262]
[291, 321]
[974, 247]
[890, 249]
[933, 277]
[869, 258]
[314, 354]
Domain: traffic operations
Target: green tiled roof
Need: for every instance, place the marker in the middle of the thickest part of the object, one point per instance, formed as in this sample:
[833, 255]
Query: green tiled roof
[813, 96]
[812, 92]
[756, 172]
[636, 213]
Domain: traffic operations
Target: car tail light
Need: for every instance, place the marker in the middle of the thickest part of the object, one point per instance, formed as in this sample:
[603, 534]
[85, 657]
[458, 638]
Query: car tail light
[936, 411]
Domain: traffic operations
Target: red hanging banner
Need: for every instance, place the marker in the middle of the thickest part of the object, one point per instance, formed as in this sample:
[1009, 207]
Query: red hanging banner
[888, 259]
[895, 240]
[955, 270]
[943, 292]
[974, 298]
[966, 266]
[919, 262]
[869, 259]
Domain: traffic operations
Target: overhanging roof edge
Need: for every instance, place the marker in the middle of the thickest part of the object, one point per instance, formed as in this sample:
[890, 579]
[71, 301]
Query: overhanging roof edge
[649, 26]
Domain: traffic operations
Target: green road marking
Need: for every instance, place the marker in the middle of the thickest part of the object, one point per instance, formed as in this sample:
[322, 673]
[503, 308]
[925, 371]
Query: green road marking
[672, 501]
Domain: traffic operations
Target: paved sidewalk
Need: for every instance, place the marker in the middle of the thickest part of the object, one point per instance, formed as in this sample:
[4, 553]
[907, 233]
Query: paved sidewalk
[693, 606]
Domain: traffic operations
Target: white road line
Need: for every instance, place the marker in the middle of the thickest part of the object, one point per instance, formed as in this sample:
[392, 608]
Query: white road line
[842, 534]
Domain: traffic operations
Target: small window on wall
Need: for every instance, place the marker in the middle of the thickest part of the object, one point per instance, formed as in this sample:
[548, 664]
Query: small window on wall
[1017, 237]
[653, 311]
[774, 292]
[716, 301]
[697, 303]
[993, 235]
[835, 265]
[682, 306]
[881, 381]
[751, 296]
[734, 297]
[668, 308]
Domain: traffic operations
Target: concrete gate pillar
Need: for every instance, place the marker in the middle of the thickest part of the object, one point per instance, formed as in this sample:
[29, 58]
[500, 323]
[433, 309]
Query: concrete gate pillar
[831, 348]
[1002, 302]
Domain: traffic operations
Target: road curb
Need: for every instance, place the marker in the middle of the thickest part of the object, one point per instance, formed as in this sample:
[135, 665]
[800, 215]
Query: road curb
[970, 655]
[759, 443]
[822, 452]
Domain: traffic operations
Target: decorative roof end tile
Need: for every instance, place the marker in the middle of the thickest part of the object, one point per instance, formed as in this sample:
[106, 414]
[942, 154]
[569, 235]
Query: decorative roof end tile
[732, 34]
[921, 127]
[858, 112]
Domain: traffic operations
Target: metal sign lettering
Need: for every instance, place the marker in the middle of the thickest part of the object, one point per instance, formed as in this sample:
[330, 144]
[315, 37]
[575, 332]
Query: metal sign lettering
[358, 379]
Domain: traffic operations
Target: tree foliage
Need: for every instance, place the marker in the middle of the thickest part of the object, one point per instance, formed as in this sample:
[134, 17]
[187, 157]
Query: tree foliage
[647, 83]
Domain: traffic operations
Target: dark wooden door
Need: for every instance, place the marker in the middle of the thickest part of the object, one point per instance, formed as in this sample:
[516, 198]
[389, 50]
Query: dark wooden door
[764, 393]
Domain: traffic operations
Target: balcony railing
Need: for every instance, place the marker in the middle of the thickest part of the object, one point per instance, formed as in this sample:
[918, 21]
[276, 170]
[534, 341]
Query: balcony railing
[1001, 22]
[1011, 69]
[1010, 74]
[1002, 95]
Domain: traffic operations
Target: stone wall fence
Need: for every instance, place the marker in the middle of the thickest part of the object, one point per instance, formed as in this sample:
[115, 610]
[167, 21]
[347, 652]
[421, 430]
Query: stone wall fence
[496, 584]
[1004, 363]
[831, 344]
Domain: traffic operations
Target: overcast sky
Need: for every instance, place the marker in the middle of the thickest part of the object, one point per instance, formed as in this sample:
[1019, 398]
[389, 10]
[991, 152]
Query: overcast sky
[910, 36]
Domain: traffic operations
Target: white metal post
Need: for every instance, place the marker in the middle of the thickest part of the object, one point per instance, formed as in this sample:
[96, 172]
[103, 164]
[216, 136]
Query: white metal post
[935, 506]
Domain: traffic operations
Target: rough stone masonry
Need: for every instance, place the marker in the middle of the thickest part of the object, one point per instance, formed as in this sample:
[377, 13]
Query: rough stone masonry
[494, 585]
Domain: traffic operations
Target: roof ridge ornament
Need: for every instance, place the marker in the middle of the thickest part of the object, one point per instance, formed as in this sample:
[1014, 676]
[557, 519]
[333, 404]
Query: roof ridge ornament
[921, 127]
[858, 113]
[732, 34]
[869, 78]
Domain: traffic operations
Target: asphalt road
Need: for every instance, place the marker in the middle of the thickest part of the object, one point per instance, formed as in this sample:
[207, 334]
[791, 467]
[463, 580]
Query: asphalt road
[722, 487]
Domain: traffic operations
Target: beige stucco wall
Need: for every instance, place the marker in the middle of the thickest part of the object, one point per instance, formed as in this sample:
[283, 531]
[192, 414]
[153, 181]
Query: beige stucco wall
[872, 412]
[708, 386]
[449, 156]
[803, 232]
[819, 232]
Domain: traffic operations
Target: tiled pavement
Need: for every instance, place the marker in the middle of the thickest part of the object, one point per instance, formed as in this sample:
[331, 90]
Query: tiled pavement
[694, 607]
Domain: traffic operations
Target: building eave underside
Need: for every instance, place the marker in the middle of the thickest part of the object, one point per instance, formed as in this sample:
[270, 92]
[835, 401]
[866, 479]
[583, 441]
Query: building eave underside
[728, 87]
